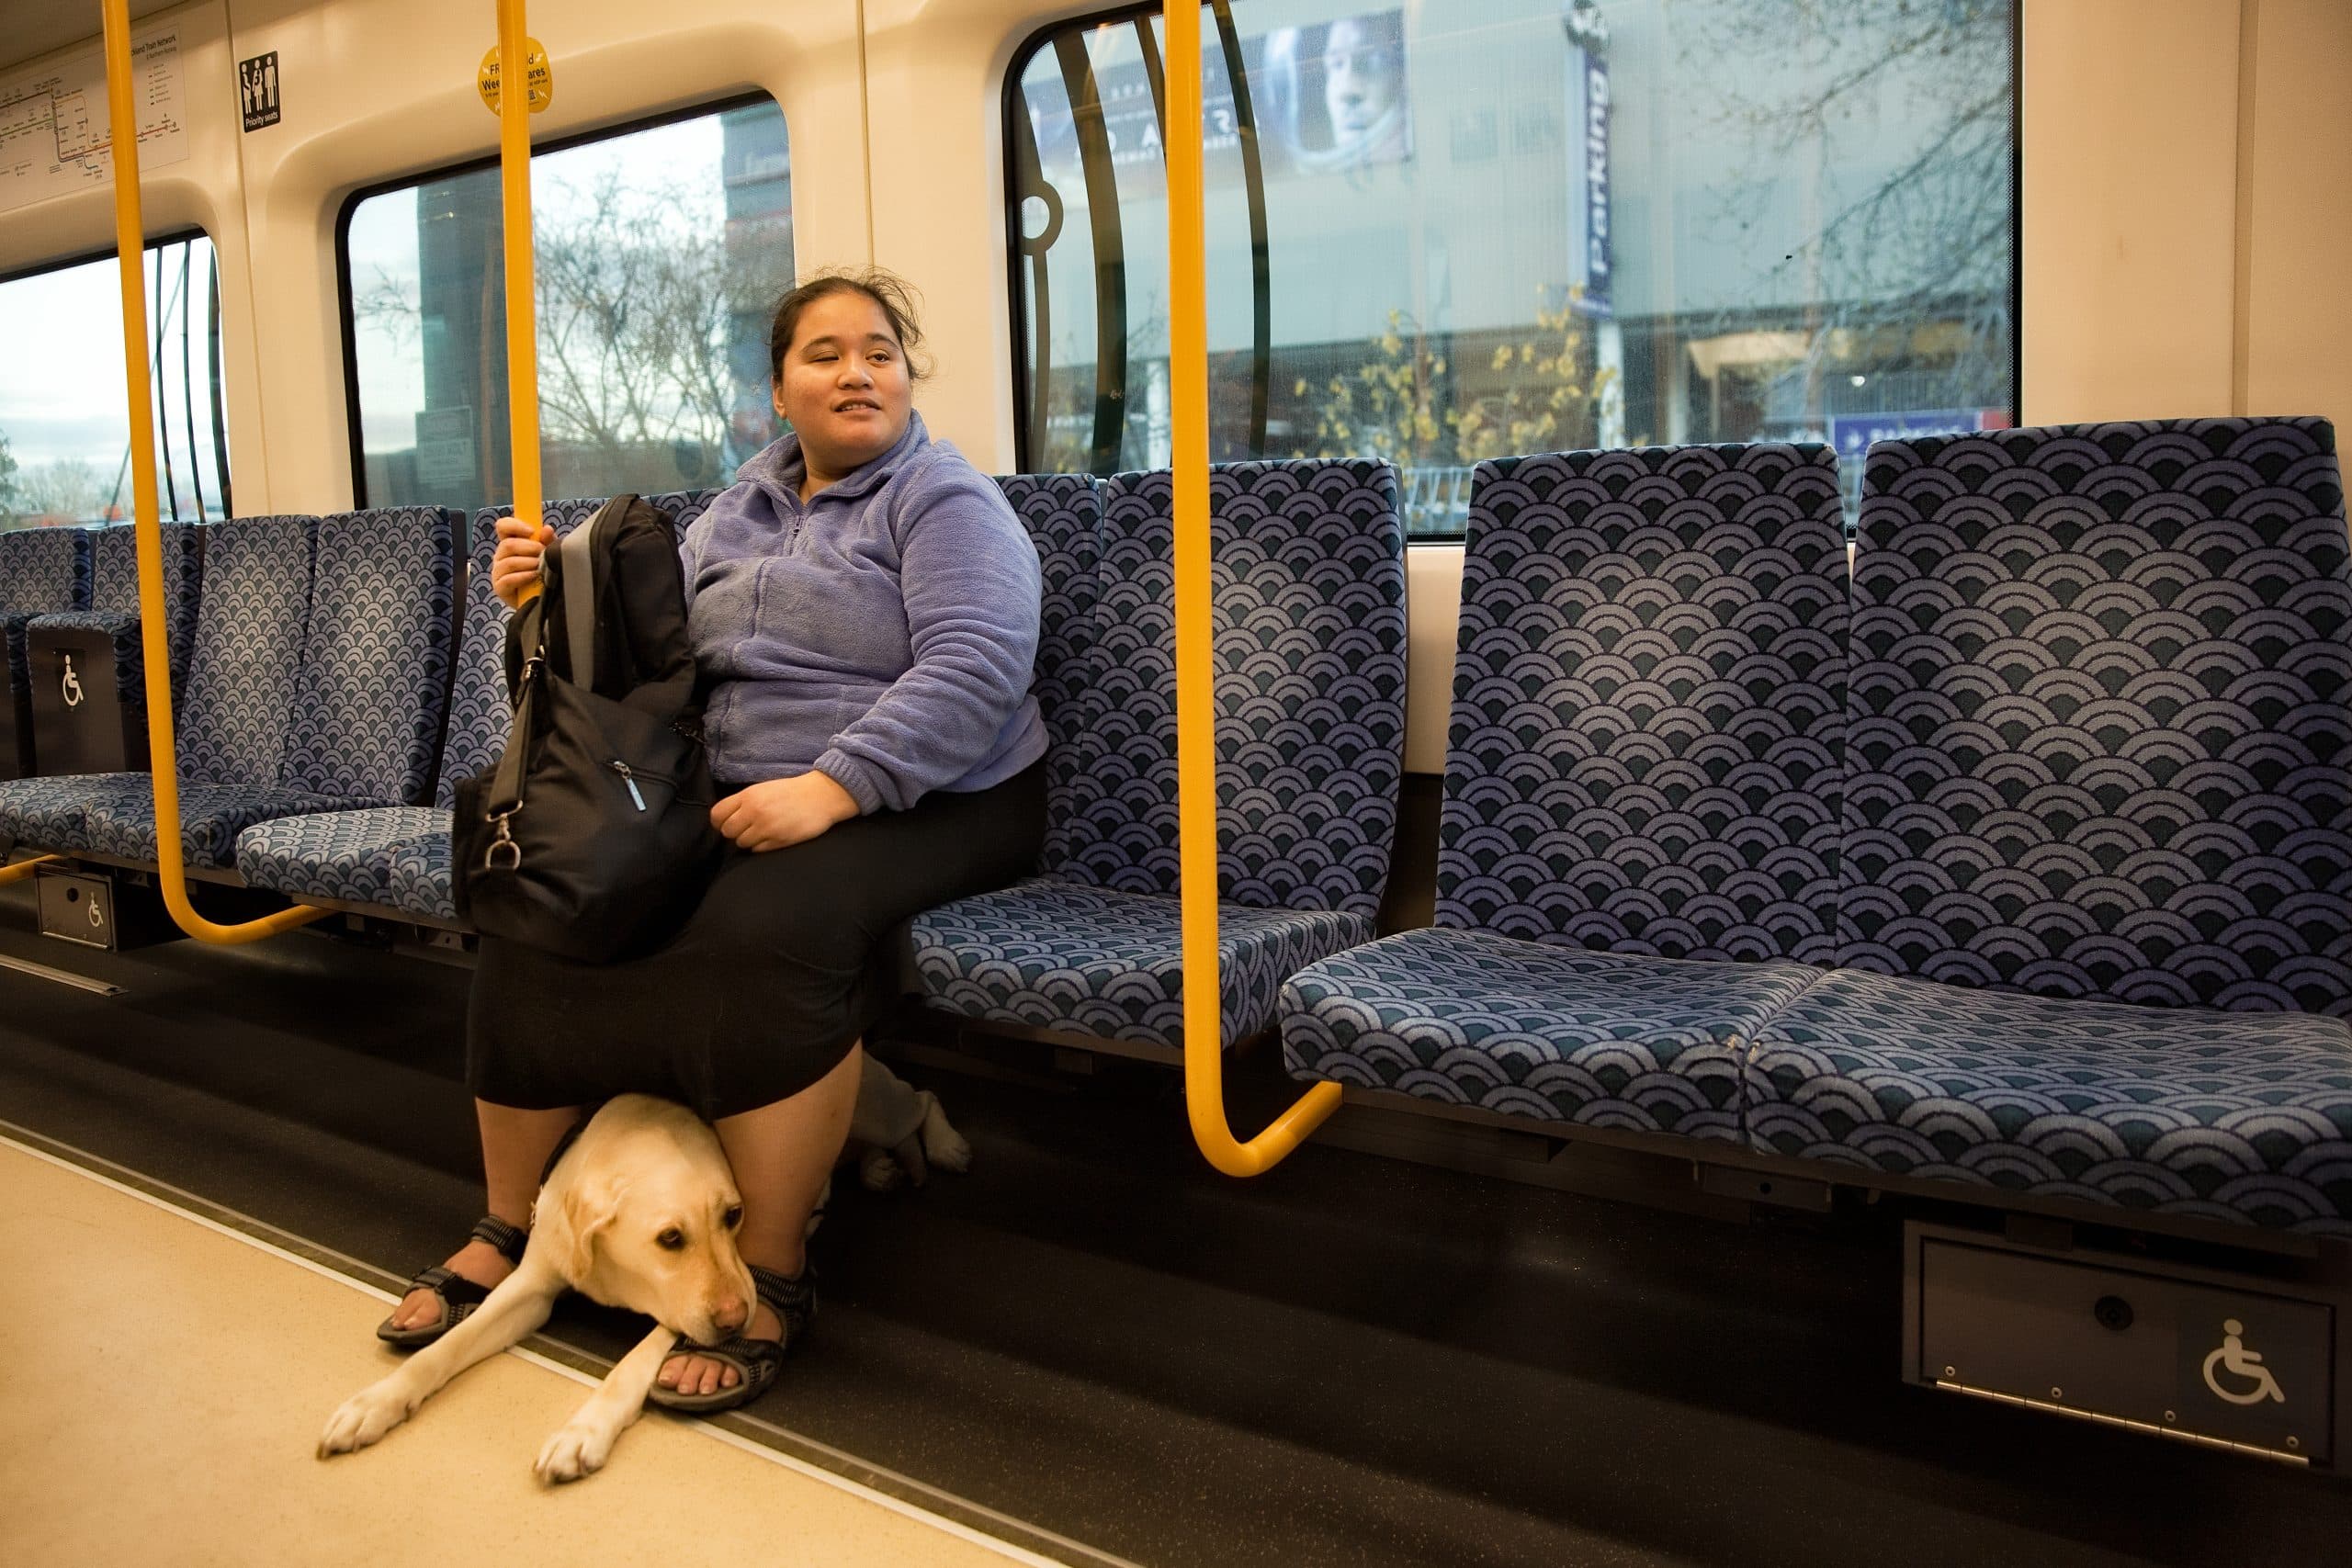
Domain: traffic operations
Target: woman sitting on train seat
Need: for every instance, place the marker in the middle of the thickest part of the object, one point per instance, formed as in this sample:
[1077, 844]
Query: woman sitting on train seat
[863, 607]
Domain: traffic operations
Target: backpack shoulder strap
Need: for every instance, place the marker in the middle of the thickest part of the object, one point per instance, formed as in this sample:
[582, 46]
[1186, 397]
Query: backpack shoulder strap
[579, 577]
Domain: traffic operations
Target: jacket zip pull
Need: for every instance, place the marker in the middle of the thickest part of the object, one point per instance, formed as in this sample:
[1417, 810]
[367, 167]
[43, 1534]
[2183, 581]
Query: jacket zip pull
[629, 779]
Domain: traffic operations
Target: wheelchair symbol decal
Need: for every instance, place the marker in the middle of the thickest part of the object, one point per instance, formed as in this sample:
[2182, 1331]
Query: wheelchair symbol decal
[71, 687]
[2246, 1365]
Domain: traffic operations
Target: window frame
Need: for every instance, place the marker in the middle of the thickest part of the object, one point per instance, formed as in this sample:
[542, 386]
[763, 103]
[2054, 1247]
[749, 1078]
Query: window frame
[1016, 304]
[177, 236]
[749, 98]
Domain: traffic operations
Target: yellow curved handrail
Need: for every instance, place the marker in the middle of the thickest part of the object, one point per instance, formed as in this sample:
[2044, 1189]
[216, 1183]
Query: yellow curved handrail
[24, 868]
[131, 243]
[1188, 377]
[522, 329]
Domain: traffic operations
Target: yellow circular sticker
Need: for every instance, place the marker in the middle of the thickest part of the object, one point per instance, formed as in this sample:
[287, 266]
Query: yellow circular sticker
[535, 72]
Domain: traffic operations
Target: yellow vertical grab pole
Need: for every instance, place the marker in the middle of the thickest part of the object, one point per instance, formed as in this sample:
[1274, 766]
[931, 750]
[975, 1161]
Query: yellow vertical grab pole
[1195, 711]
[522, 317]
[130, 245]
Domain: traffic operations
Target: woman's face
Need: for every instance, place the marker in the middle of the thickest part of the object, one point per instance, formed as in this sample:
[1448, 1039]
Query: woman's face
[843, 383]
[1359, 80]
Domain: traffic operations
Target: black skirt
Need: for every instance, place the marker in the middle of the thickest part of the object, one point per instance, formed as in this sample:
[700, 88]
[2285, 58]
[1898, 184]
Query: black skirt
[790, 959]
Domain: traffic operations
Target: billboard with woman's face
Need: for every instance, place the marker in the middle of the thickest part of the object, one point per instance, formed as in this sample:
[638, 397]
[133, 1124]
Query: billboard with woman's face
[1335, 93]
[1324, 97]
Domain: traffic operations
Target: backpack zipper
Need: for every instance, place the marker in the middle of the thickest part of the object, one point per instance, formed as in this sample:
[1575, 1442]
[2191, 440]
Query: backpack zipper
[629, 778]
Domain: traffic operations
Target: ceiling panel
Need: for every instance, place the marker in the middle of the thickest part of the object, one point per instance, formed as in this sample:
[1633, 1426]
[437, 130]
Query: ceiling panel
[30, 29]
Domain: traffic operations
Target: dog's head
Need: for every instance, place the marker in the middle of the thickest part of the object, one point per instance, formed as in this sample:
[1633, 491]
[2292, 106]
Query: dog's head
[648, 1222]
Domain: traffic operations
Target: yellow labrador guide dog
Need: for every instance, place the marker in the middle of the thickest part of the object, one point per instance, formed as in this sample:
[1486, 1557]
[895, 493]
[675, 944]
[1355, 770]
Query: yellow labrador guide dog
[639, 1213]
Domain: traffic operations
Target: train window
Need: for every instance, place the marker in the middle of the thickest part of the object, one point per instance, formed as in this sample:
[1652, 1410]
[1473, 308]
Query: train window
[659, 251]
[64, 428]
[1443, 233]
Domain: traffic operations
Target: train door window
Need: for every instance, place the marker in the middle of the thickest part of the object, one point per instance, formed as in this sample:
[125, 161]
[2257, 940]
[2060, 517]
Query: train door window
[660, 252]
[64, 423]
[1441, 233]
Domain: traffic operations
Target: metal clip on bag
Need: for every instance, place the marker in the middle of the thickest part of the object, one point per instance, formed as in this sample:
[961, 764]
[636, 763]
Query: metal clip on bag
[592, 839]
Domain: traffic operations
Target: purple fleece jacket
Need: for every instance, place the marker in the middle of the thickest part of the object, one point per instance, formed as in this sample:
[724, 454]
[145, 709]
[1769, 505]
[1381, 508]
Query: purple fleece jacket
[882, 634]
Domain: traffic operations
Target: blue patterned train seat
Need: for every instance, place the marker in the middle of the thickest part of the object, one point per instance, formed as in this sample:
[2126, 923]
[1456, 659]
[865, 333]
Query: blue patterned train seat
[396, 858]
[2096, 936]
[1638, 852]
[114, 604]
[42, 572]
[1309, 649]
[319, 676]
[1064, 516]
[242, 673]
[368, 695]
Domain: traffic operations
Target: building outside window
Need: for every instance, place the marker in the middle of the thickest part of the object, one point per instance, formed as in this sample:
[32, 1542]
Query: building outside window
[1440, 233]
[660, 252]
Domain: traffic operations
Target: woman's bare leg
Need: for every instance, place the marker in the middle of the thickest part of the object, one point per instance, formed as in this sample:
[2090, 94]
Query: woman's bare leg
[514, 1148]
[782, 1154]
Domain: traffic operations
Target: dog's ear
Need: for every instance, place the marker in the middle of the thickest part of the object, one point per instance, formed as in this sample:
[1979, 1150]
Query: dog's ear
[584, 1211]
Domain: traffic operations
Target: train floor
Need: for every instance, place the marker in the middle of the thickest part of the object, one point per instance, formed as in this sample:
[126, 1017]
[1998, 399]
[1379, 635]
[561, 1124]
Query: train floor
[1090, 1349]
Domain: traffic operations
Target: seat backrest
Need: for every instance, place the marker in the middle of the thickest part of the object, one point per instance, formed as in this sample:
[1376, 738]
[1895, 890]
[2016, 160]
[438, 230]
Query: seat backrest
[113, 581]
[479, 715]
[1064, 516]
[44, 570]
[2099, 730]
[1648, 696]
[376, 661]
[1307, 575]
[247, 662]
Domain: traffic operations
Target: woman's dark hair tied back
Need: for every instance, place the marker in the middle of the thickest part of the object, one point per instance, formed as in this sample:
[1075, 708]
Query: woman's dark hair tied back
[892, 295]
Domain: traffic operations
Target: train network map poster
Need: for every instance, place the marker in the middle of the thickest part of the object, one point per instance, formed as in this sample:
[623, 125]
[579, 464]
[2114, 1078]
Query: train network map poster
[55, 135]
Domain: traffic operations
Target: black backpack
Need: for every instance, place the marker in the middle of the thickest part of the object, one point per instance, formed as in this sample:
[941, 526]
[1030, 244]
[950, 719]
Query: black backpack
[592, 838]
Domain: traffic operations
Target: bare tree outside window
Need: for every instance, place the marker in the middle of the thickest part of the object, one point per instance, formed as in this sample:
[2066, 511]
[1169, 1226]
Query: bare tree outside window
[1907, 267]
[658, 255]
[66, 489]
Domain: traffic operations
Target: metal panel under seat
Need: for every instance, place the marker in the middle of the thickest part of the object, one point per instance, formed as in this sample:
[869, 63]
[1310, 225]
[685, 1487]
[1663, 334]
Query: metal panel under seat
[2184, 1351]
[89, 909]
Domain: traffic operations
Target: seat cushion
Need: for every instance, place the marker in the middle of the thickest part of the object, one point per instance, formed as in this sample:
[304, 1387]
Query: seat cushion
[1626, 1040]
[345, 855]
[54, 813]
[2242, 1116]
[418, 868]
[211, 816]
[1097, 961]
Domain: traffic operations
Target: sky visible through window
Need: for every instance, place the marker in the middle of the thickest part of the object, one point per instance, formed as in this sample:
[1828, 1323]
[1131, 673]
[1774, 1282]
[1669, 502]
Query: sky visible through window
[65, 422]
[657, 251]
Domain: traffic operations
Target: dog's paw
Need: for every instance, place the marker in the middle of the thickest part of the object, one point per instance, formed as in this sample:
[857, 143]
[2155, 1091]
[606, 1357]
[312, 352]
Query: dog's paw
[363, 1418]
[942, 1142]
[877, 1172]
[579, 1448]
